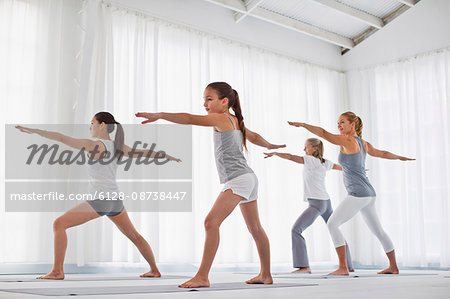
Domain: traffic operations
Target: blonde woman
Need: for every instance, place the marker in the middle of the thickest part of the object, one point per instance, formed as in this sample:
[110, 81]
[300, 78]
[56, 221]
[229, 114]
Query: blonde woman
[361, 194]
[314, 172]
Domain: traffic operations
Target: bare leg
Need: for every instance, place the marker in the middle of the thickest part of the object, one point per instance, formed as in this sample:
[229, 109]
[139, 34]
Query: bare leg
[122, 221]
[224, 205]
[343, 269]
[393, 269]
[250, 213]
[80, 214]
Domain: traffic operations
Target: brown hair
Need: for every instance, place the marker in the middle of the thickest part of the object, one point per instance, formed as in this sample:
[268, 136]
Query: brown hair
[109, 120]
[224, 90]
[352, 118]
[318, 145]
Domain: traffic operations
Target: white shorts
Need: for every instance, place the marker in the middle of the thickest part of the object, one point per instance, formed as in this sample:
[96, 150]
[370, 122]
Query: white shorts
[245, 185]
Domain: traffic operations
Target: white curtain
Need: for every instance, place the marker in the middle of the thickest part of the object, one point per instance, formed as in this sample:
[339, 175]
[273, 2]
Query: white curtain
[144, 64]
[405, 109]
[109, 58]
[39, 42]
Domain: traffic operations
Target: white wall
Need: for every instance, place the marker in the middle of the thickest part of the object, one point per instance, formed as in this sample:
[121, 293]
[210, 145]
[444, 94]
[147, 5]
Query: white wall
[217, 20]
[423, 28]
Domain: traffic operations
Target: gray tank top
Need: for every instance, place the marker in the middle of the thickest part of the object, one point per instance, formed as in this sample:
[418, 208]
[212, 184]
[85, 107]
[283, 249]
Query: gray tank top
[102, 178]
[230, 159]
[355, 180]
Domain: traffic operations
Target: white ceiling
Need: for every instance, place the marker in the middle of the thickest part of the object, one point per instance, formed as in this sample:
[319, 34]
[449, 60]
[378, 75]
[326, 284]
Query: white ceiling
[340, 22]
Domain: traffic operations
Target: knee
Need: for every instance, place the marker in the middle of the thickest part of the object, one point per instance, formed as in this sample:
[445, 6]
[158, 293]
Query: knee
[296, 230]
[332, 224]
[255, 230]
[59, 225]
[136, 238]
[211, 224]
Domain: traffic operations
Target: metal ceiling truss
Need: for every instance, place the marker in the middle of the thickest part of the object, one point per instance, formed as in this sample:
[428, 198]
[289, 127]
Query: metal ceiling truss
[251, 8]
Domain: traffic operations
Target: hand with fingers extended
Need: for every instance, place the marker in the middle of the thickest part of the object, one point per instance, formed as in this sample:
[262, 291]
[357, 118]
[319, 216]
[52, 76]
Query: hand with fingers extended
[406, 159]
[296, 124]
[275, 146]
[268, 155]
[151, 117]
[26, 130]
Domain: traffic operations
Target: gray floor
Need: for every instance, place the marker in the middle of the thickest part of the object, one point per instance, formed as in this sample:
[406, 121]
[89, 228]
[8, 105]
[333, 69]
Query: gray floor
[409, 284]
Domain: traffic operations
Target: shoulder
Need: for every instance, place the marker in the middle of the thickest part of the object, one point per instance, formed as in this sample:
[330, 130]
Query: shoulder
[328, 164]
[310, 160]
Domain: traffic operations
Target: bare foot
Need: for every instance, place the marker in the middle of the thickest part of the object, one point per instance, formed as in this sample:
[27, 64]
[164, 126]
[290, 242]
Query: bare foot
[151, 274]
[52, 275]
[261, 279]
[339, 272]
[390, 270]
[302, 270]
[195, 282]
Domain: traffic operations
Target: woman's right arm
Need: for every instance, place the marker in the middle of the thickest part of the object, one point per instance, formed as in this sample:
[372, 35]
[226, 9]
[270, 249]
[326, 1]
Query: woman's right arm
[286, 156]
[341, 140]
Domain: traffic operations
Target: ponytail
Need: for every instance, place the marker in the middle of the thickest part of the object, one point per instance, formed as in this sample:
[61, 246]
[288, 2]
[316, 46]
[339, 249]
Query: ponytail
[238, 113]
[358, 126]
[119, 140]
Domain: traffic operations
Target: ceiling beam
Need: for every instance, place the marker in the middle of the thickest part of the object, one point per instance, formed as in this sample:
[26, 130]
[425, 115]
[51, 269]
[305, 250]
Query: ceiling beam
[410, 3]
[274, 18]
[250, 7]
[353, 12]
[286, 22]
[236, 5]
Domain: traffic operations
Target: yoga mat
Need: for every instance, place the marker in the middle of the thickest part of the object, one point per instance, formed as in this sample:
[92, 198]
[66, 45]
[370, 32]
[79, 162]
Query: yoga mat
[312, 276]
[80, 291]
[69, 278]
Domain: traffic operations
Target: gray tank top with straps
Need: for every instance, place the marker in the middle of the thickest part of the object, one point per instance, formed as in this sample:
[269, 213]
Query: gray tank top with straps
[353, 166]
[102, 177]
[230, 159]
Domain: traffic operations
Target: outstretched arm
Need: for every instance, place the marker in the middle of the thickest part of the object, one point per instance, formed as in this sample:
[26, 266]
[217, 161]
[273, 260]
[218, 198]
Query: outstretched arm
[286, 156]
[384, 154]
[136, 153]
[337, 167]
[335, 139]
[210, 120]
[257, 139]
[84, 144]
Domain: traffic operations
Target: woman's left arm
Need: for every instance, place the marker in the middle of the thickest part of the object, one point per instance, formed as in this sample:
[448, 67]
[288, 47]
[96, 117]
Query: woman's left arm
[371, 150]
[136, 153]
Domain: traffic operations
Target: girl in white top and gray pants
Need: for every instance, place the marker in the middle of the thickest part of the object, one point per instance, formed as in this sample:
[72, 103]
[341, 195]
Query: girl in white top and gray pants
[316, 194]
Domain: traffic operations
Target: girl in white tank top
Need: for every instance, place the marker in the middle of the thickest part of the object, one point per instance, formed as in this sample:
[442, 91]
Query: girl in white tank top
[102, 179]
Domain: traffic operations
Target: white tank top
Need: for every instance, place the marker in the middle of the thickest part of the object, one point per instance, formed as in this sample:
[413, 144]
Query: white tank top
[102, 177]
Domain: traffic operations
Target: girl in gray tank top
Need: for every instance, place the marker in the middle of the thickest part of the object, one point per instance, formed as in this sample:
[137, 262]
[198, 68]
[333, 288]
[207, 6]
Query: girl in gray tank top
[102, 180]
[229, 154]
[240, 183]
[361, 194]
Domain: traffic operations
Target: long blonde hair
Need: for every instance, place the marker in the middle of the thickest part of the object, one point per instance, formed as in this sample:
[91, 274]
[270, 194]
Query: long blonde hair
[352, 118]
[318, 145]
